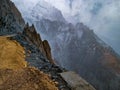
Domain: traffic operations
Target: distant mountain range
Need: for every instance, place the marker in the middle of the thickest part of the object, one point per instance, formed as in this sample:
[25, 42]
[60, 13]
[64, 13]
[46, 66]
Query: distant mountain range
[77, 48]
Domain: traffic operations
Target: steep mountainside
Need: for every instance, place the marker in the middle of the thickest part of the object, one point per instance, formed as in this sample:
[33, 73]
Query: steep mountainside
[25, 60]
[77, 48]
[9, 20]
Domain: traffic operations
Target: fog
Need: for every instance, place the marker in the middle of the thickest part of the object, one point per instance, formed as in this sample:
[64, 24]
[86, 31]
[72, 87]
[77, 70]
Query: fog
[103, 16]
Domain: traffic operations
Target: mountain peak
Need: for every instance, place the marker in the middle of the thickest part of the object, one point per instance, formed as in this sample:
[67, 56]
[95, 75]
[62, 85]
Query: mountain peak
[44, 10]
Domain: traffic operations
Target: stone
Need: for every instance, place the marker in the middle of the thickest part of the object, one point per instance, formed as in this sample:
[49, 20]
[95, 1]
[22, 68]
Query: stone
[75, 81]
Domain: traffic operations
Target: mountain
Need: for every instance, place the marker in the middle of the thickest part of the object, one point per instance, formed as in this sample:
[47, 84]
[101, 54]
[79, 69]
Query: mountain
[43, 10]
[9, 22]
[78, 48]
[25, 60]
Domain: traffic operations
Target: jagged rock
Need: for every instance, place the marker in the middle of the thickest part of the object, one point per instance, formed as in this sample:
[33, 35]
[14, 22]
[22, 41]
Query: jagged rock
[47, 50]
[34, 38]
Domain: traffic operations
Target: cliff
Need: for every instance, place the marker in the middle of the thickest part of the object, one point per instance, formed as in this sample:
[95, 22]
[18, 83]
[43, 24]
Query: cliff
[34, 38]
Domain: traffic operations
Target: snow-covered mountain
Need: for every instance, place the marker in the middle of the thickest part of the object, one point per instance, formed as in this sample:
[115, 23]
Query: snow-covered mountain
[37, 10]
[44, 10]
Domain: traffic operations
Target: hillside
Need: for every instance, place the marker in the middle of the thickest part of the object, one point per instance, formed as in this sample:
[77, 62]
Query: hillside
[14, 72]
[12, 55]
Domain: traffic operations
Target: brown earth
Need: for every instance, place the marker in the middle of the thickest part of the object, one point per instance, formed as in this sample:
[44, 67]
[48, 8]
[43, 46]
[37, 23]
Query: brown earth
[12, 54]
[25, 79]
[14, 72]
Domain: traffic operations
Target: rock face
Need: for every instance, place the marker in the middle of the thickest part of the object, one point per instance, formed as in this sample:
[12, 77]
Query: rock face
[47, 50]
[34, 38]
[11, 20]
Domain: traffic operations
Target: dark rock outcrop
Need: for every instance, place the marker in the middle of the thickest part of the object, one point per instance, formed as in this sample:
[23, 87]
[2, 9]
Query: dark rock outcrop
[47, 50]
[11, 20]
[34, 38]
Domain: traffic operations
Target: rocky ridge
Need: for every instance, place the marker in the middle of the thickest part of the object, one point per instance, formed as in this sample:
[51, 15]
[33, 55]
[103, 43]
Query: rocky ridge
[34, 38]
[9, 20]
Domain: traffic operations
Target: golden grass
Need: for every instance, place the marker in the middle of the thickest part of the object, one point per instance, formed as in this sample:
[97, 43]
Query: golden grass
[25, 79]
[14, 73]
[12, 54]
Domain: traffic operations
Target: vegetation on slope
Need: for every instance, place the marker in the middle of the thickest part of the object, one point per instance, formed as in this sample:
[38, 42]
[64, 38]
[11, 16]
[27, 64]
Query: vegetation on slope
[14, 72]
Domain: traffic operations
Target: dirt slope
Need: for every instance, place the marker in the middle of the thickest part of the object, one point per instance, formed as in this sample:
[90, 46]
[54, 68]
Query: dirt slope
[12, 55]
[14, 73]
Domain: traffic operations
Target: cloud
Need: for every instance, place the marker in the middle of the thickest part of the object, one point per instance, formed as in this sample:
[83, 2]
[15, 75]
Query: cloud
[94, 13]
[103, 16]
[88, 11]
[60, 4]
